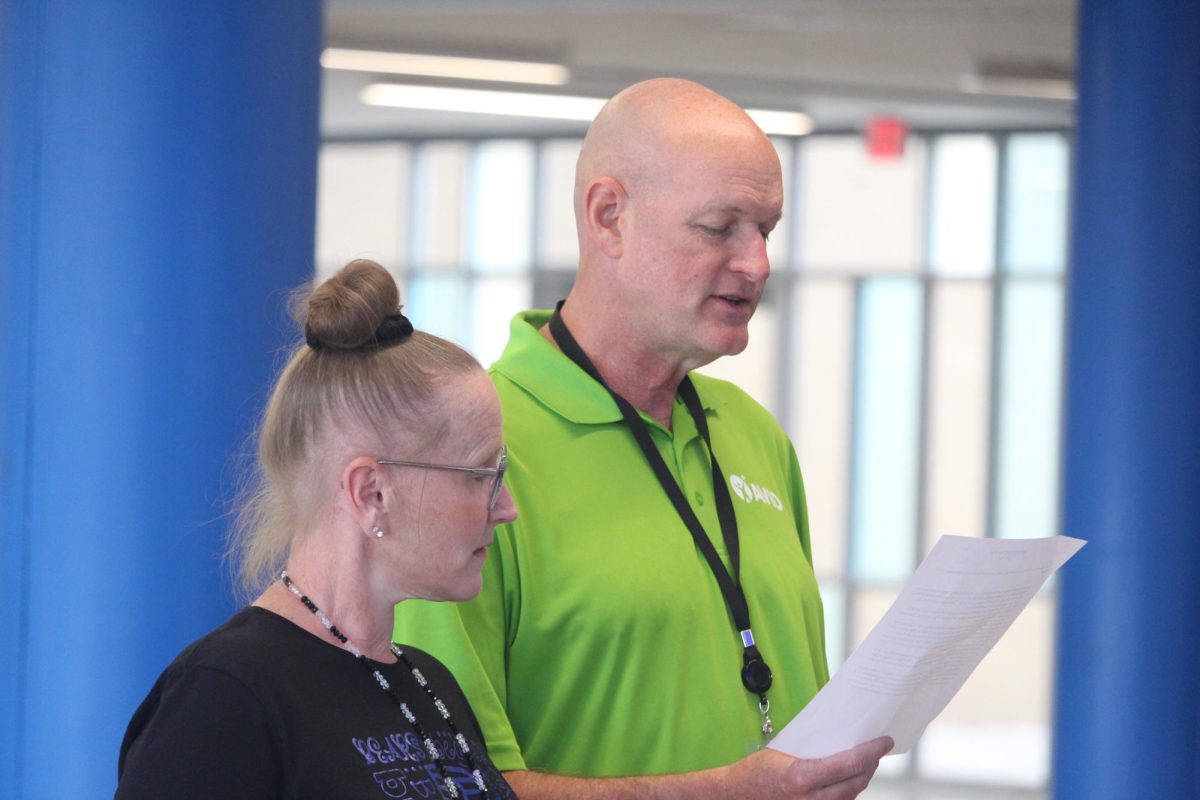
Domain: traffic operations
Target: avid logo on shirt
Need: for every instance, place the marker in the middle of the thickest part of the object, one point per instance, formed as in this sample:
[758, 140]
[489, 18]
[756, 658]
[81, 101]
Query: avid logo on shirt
[753, 493]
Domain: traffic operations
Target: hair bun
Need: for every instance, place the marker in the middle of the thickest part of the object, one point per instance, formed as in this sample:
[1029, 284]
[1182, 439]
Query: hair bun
[346, 311]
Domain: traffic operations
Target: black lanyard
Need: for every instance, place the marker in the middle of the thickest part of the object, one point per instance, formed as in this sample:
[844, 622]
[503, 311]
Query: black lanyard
[756, 675]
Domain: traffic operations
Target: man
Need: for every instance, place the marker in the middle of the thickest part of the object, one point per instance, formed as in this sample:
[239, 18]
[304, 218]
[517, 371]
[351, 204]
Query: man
[631, 619]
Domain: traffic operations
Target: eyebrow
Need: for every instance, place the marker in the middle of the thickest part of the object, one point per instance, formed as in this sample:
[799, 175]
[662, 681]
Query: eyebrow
[732, 209]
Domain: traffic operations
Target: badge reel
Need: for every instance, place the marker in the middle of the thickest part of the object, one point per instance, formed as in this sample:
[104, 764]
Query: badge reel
[757, 677]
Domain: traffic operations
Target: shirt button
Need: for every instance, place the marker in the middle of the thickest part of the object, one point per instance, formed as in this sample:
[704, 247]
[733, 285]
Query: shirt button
[699, 498]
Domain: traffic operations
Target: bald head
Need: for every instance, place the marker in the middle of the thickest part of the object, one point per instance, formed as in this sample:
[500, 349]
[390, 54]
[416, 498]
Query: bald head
[644, 132]
[676, 193]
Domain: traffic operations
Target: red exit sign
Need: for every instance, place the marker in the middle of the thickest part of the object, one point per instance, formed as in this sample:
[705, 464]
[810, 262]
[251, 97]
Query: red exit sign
[885, 137]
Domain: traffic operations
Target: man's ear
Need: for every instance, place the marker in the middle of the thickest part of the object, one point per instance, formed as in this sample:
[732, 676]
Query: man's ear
[604, 202]
[362, 483]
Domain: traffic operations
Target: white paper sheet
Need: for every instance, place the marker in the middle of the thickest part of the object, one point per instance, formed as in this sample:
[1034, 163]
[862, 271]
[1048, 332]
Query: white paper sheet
[957, 605]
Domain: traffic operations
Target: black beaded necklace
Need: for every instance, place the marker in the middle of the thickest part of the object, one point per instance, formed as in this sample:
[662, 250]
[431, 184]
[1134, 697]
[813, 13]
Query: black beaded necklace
[430, 747]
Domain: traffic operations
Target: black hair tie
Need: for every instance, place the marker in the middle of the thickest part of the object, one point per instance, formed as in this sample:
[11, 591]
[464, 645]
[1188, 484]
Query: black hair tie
[394, 329]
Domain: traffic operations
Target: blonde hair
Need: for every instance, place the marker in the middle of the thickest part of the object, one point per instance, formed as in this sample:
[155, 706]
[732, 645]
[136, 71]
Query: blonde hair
[343, 377]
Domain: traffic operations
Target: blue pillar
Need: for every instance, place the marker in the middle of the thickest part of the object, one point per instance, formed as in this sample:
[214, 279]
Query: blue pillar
[157, 199]
[1128, 694]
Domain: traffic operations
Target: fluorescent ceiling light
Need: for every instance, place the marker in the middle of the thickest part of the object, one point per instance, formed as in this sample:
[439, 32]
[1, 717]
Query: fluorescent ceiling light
[785, 123]
[1019, 79]
[477, 69]
[481, 101]
[543, 106]
[1018, 87]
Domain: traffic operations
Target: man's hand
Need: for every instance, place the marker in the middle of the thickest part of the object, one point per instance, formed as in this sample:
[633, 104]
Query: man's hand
[841, 776]
[765, 775]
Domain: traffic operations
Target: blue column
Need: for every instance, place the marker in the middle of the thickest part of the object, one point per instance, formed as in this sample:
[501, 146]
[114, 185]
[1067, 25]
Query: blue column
[1128, 695]
[157, 199]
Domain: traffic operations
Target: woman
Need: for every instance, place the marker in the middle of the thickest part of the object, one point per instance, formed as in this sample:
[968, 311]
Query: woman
[380, 479]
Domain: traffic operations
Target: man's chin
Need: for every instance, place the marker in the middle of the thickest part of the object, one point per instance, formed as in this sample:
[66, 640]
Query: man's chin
[730, 342]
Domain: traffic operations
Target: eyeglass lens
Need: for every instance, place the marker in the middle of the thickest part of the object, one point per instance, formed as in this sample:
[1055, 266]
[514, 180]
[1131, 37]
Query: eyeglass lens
[498, 481]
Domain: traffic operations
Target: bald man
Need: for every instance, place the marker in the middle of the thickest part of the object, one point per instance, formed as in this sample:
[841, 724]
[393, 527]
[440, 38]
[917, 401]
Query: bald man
[652, 615]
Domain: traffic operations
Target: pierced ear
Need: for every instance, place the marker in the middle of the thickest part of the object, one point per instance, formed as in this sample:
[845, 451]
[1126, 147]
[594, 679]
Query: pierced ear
[604, 203]
[362, 483]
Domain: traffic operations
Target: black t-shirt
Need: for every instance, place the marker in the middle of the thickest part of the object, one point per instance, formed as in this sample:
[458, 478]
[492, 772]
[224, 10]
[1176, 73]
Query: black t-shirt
[260, 708]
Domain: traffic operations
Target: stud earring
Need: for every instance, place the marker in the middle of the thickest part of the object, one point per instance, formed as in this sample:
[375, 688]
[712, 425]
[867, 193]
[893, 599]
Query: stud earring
[377, 531]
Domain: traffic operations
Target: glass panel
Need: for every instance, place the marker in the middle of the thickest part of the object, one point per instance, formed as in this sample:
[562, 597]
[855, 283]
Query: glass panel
[550, 286]
[500, 224]
[754, 370]
[437, 304]
[963, 205]
[886, 413]
[494, 301]
[995, 730]
[1035, 206]
[362, 205]
[1030, 377]
[833, 600]
[440, 173]
[958, 419]
[857, 212]
[779, 241]
[558, 247]
[820, 375]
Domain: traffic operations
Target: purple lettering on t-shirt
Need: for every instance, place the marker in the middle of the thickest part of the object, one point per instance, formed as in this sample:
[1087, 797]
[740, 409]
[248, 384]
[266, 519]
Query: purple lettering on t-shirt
[413, 773]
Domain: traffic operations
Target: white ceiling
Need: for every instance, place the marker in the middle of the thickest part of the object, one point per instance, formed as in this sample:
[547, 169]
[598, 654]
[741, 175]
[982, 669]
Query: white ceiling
[842, 62]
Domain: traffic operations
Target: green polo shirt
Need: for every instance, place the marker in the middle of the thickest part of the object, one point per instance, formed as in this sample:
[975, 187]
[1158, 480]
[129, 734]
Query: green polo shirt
[601, 644]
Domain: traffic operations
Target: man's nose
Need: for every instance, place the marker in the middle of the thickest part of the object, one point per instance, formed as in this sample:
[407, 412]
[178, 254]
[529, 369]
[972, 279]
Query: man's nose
[751, 259]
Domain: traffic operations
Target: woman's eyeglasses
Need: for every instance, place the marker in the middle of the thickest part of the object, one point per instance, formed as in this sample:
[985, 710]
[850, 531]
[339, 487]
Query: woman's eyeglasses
[496, 473]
